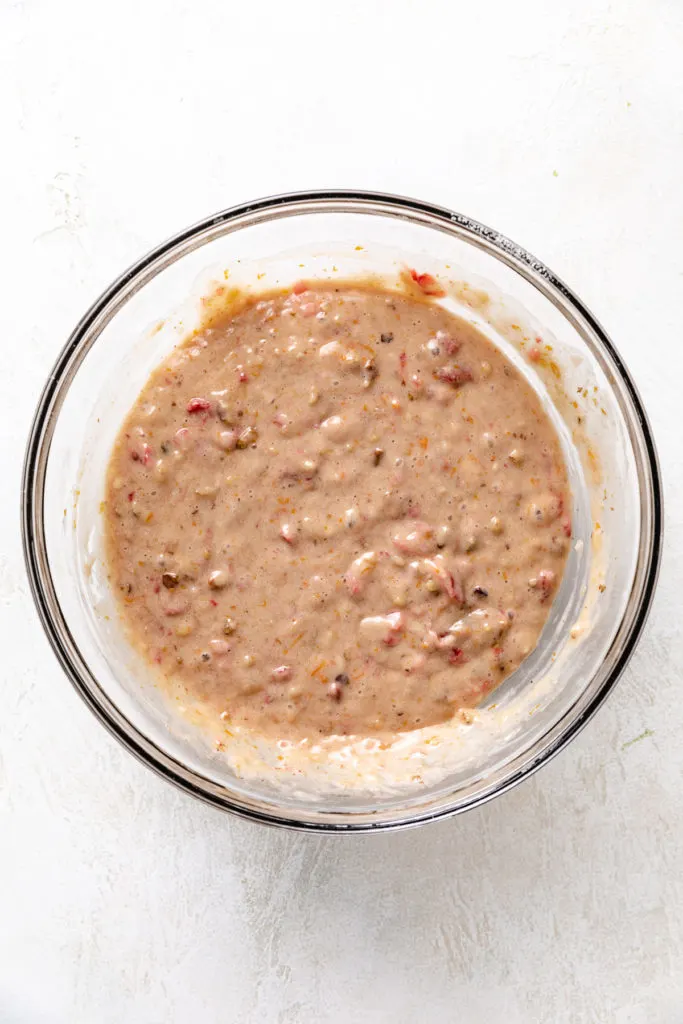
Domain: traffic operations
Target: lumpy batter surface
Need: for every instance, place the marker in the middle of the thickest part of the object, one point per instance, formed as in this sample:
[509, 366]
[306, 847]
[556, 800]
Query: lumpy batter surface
[337, 511]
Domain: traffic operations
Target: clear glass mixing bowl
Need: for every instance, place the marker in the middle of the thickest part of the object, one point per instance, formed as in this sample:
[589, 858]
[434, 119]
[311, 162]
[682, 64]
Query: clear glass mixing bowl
[617, 515]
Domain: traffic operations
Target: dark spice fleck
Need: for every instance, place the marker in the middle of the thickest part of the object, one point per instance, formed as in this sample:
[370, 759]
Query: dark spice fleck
[481, 591]
[206, 656]
[165, 447]
[377, 456]
[386, 338]
[169, 580]
[342, 678]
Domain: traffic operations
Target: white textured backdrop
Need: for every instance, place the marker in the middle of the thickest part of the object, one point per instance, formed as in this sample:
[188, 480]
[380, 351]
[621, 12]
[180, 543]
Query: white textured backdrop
[125, 902]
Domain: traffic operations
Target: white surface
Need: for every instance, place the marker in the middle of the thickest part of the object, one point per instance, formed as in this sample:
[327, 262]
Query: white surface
[122, 900]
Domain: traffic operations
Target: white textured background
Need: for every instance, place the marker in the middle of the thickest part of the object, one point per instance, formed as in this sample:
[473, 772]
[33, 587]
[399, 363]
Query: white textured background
[125, 902]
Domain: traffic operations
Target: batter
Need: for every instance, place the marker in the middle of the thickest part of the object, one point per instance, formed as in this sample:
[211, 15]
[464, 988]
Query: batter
[337, 511]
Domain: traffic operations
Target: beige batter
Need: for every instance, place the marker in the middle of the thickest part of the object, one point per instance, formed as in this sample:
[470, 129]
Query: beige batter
[337, 511]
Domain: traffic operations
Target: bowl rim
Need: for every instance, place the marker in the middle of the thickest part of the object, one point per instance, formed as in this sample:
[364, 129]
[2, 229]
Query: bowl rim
[38, 447]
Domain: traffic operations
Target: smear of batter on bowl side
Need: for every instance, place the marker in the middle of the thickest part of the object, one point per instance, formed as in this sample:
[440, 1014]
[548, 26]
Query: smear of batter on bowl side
[336, 510]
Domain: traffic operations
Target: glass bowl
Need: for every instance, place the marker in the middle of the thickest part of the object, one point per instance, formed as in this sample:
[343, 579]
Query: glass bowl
[617, 515]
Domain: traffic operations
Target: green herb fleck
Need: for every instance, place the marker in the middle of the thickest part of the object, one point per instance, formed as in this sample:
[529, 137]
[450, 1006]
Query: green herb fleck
[643, 736]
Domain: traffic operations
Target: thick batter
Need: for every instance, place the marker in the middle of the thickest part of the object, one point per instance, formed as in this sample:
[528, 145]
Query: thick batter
[337, 511]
